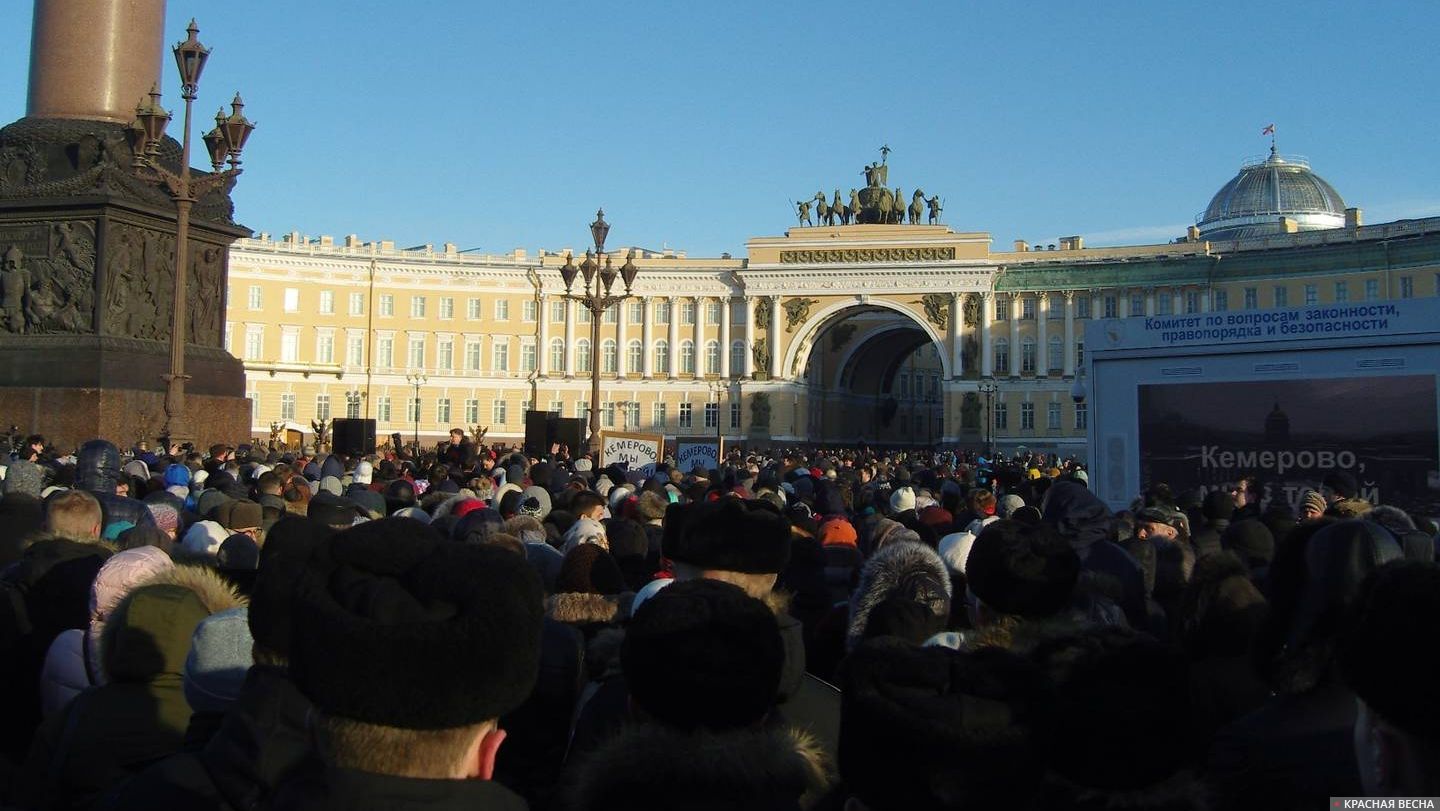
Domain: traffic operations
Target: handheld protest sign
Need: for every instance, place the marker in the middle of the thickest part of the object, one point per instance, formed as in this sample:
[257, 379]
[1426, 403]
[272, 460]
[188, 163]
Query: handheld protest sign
[638, 452]
[702, 452]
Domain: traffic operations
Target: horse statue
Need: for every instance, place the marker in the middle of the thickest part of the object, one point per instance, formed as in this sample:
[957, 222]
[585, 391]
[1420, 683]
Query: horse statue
[917, 206]
[841, 211]
[884, 202]
[936, 206]
[804, 212]
[897, 211]
[854, 206]
[823, 211]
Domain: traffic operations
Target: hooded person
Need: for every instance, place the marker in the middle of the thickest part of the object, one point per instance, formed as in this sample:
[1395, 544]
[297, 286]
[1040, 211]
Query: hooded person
[97, 472]
[1108, 572]
[588, 590]
[411, 648]
[911, 571]
[100, 740]
[703, 660]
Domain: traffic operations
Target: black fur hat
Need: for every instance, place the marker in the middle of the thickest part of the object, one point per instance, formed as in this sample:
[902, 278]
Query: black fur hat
[731, 534]
[1028, 571]
[396, 627]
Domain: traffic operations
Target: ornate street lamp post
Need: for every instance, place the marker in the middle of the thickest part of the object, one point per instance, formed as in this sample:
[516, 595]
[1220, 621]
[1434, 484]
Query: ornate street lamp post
[224, 143]
[416, 379]
[988, 388]
[597, 299]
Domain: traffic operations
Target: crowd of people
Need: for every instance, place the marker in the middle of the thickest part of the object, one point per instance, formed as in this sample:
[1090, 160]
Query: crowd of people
[820, 628]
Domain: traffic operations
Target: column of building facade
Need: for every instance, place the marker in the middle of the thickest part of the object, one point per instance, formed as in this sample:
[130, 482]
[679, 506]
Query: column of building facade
[1177, 301]
[542, 352]
[1070, 332]
[673, 337]
[775, 332]
[647, 337]
[987, 352]
[1015, 356]
[622, 353]
[570, 338]
[1205, 301]
[1042, 336]
[725, 336]
[749, 337]
[1150, 301]
[957, 364]
[1122, 302]
[699, 336]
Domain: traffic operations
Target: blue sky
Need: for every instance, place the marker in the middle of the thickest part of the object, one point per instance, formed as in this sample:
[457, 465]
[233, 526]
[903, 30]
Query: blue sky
[504, 125]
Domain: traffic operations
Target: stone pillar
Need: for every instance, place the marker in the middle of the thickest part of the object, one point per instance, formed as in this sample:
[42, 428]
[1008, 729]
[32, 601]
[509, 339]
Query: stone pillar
[1042, 336]
[1122, 303]
[1014, 307]
[957, 365]
[96, 59]
[647, 339]
[622, 354]
[725, 337]
[1070, 332]
[570, 338]
[699, 337]
[543, 350]
[749, 337]
[1177, 299]
[1205, 301]
[674, 338]
[776, 331]
[987, 352]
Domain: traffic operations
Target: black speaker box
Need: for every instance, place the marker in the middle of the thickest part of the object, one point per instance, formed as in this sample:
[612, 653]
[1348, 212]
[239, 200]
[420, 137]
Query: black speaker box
[353, 437]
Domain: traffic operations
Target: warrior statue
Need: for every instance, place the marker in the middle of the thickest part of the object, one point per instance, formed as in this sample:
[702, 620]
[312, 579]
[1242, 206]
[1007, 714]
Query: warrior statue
[804, 213]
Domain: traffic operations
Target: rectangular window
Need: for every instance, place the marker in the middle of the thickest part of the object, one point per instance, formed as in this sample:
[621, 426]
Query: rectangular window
[607, 414]
[712, 415]
[1079, 354]
[557, 310]
[502, 310]
[417, 306]
[904, 380]
[687, 415]
[1372, 289]
[582, 410]
[447, 307]
[1002, 308]
[1052, 416]
[1111, 309]
[1222, 301]
[1282, 296]
[1252, 298]
[500, 354]
[528, 309]
[327, 302]
[1312, 295]
[292, 300]
[445, 355]
[472, 356]
[1342, 291]
[1027, 308]
[1137, 305]
[287, 406]
[637, 312]
[290, 346]
[412, 409]
[253, 300]
[632, 415]
[1192, 302]
[352, 405]
[557, 407]
[611, 315]
[442, 411]
[657, 416]
[1082, 416]
[1056, 310]
[687, 313]
[1002, 417]
[712, 312]
[1165, 305]
[357, 303]
[527, 356]
[387, 304]
[472, 412]
[1082, 306]
[472, 309]
[355, 350]
[735, 416]
[1027, 416]
[385, 348]
[1027, 356]
[662, 312]
[1407, 287]
[415, 354]
[325, 347]
[582, 315]
[254, 342]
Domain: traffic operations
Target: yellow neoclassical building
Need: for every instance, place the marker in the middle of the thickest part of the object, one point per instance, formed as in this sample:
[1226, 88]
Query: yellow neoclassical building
[888, 333]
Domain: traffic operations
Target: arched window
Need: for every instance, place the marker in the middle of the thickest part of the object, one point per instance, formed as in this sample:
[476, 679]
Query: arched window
[687, 357]
[557, 355]
[607, 356]
[1055, 354]
[1027, 355]
[712, 357]
[582, 355]
[737, 357]
[662, 357]
[1002, 356]
[634, 357]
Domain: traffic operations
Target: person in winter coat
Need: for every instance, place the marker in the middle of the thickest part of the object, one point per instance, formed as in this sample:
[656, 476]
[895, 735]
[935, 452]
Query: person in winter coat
[1087, 524]
[109, 733]
[908, 570]
[97, 471]
[1217, 509]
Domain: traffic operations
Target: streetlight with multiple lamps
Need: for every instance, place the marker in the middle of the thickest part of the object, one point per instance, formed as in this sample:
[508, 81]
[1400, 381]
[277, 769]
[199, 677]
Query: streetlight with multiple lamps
[224, 143]
[988, 388]
[416, 379]
[597, 299]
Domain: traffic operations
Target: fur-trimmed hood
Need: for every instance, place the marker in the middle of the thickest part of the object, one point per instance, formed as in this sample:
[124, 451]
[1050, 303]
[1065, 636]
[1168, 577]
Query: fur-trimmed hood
[909, 569]
[651, 767]
[148, 634]
[575, 608]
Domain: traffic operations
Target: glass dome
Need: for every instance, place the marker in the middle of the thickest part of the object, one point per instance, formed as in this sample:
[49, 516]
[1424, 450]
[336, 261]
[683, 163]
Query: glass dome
[1254, 202]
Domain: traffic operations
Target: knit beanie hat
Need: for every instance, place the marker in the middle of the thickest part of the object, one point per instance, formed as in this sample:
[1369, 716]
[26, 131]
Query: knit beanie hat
[838, 532]
[902, 499]
[1311, 500]
[542, 498]
[220, 657]
[204, 538]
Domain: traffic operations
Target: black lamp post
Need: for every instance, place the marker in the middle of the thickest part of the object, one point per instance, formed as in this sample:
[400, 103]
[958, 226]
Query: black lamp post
[988, 388]
[224, 143]
[417, 379]
[597, 299]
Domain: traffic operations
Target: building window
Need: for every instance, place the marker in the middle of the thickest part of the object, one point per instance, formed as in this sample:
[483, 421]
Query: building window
[502, 309]
[904, 385]
[1056, 310]
[712, 415]
[527, 356]
[447, 307]
[657, 416]
[1079, 354]
[557, 354]
[1002, 308]
[352, 405]
[557, 310]
[1137, 304]
[472, 412]
[385, 348]
[355, 350]
[1342, 291]
[1027, 355]
[662, 312]
[1192, 302]
[1027, 416]
[472, 309]
[1082, 416]
[287, 407]
[357, 303]
[1407, 287]
[1052, 416]
[290, 346]
[634, 356]
[1312, 295]
[325, 347]
[472, 356]
[417, 306]
[412, 409]
[415, 356]
[662, 357]
[637, 312]
[687, 313]
[442, 411]
[582, 355]
[632, 415]
[445, 354]
[529, 310]
[1055, 354]
[1082, 306]
[712, 312]
[500, 354]
[1111, 307]
[253, 300]
[1282, 296]
[1222, 301]
[382, 409]
[737, 357]
[1165, 305]
[607, 414]
[608, 356]
[387, 305]
[1002, 356]
[254, 342]
[1027, 308]
[687, 357]
[498, 414]
[582, 315]
[1372, 289]
[1252, 298]
[687, 415]
[292, 300]
[1002, 417]
[712, 357]
[735, 416]
[327, 302]
[582, 410]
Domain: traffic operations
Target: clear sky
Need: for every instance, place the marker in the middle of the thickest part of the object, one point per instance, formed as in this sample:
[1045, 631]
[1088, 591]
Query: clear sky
[503, 125]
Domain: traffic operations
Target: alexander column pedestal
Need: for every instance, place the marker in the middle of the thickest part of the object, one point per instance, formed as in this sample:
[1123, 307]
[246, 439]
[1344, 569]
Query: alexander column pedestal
[87, 248]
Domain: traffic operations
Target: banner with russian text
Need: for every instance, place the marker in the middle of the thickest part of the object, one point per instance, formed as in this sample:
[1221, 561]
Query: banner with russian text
[638, 452]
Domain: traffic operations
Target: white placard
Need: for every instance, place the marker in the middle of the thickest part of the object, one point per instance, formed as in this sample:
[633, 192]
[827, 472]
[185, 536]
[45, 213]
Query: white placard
[638, 452]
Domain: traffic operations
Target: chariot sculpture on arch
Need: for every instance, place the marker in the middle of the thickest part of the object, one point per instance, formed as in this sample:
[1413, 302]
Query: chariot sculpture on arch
[875, 204]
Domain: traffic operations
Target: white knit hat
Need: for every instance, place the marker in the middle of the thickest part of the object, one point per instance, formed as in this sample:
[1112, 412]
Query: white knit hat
[902, 499]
